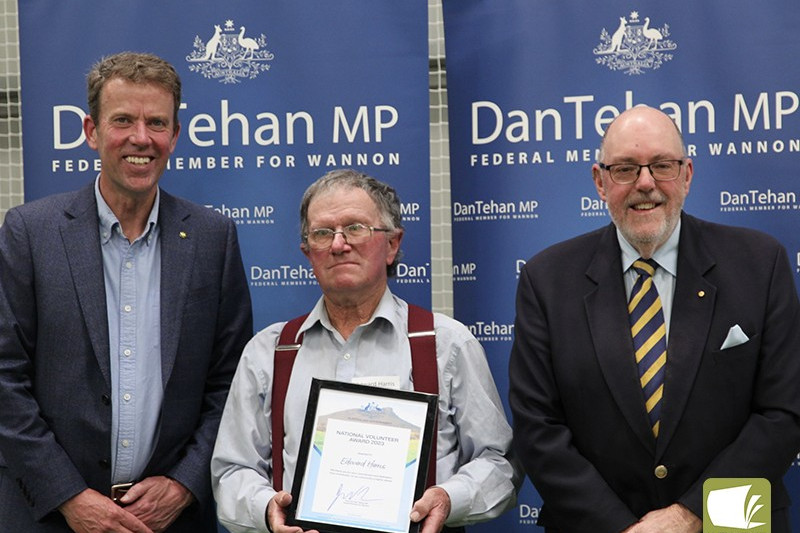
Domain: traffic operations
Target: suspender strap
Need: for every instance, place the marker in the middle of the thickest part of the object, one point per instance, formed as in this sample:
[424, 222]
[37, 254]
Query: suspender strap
[424, 373]
[285, 353]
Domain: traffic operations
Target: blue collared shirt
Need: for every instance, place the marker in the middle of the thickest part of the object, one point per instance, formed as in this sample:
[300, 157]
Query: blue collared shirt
[667, 258]
[132, 273]
[473, 452]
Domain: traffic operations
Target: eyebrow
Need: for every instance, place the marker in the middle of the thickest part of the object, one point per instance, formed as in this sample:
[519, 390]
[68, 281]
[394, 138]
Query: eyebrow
[657, 157]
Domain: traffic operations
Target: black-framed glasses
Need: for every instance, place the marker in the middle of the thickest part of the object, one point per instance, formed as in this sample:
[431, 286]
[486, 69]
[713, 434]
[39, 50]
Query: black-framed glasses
[322, 238]
[625, 173]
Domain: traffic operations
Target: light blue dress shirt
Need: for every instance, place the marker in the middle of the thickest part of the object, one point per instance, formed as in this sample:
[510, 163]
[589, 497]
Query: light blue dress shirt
[473, 463]
[132, 274]
[664, 278]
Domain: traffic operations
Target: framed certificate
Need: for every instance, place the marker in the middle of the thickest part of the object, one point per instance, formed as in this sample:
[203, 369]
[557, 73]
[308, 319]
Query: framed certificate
[363, 458]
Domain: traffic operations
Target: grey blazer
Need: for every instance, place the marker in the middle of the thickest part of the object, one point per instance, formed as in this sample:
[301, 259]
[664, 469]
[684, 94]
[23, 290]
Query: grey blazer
[55, 414]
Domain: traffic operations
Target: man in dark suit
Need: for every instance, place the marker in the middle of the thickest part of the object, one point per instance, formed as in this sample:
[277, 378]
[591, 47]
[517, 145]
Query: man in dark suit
[607, 453]
[123, 313]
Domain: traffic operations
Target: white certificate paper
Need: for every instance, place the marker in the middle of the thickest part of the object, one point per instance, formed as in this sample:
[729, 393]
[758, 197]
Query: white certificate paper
[359, 468]
[362, 469]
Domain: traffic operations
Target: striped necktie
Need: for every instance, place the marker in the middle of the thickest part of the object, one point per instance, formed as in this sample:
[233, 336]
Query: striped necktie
[649, 338]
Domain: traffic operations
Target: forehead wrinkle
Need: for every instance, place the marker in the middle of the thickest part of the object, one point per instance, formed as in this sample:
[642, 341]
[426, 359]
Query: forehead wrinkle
[327, 210]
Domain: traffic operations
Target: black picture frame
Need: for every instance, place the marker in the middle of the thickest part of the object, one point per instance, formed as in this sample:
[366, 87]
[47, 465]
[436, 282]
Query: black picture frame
[368, 400]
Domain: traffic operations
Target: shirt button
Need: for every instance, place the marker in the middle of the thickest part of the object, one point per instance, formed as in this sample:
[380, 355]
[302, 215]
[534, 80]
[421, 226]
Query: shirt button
[125, 443]
[126, 352]
[347, 357]
[126, 397]
[127, 308]
[128, 264]
[661, 471]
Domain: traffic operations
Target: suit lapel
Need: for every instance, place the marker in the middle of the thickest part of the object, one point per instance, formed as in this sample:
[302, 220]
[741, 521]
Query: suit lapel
[178, 244]
[81, 237]
[606, 308]
[692, 311]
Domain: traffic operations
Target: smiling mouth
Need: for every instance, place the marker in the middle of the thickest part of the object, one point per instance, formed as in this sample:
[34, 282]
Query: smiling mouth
[138, 160]
[644, 206]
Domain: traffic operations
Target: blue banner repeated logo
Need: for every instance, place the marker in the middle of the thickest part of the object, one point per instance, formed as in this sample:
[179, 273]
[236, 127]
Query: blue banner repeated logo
[531, 89]
[230, 57]
[256, 129]
[635, 47]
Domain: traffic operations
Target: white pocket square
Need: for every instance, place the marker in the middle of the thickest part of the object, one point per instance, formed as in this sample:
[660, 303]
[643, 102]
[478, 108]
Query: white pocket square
[735, 337]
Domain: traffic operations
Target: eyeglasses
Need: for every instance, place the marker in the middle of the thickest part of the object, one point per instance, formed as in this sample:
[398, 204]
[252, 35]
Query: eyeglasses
[322, 238]
[625, 173]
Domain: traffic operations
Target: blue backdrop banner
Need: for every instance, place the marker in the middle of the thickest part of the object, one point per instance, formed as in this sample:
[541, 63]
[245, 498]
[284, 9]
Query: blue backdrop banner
[275, 94]
[532, 85]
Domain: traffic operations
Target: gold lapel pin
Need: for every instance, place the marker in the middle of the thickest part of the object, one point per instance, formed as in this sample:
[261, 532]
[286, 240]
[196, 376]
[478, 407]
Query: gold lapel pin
[182, 234]
[701, 294]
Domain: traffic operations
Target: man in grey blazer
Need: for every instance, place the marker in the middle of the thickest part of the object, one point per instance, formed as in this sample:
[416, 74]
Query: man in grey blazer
[607, 453]
[123, 313]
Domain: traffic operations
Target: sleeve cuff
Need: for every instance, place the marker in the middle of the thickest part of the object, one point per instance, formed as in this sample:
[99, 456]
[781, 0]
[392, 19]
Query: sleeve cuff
[460, 504]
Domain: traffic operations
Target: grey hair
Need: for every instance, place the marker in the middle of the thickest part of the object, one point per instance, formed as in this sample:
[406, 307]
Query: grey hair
[384, 196]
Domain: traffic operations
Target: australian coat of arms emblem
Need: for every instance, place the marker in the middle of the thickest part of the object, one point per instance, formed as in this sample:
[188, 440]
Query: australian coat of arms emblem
[230, 55]
[635, 46]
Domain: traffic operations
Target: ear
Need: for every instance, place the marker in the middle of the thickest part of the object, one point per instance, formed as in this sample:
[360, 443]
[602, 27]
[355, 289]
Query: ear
[305, 250]
[689, 174]
[174, 141]
[90, 130]
[394, 246]
[597, 177]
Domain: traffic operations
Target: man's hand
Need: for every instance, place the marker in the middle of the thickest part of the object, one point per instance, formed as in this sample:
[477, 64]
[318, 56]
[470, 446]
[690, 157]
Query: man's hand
[275, 514]
[673, 519]
[91, 512]
[434, 507]
[157, 501]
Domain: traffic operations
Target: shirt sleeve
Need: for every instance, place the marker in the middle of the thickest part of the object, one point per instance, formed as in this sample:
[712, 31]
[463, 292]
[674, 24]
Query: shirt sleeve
[241, 466]
[475, 464]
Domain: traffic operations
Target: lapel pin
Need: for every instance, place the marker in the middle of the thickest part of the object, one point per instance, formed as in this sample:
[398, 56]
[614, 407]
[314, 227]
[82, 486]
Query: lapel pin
[182, 235]
[701, 294]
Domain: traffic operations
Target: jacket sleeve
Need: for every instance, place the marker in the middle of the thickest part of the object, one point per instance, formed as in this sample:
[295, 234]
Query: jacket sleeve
[569, 483]
[43, 471]
[770, 436]
[232, 330]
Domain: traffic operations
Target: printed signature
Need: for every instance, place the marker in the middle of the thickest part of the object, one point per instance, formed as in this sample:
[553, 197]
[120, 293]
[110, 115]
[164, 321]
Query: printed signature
[357, 496]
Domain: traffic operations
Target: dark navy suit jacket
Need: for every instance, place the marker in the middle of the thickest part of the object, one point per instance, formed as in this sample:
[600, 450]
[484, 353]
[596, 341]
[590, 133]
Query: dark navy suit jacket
[55, 414]
[580, 425]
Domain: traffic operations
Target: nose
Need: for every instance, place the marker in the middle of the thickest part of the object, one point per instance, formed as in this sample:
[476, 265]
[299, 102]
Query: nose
[339, 242]
[139, 134]
[645, 179]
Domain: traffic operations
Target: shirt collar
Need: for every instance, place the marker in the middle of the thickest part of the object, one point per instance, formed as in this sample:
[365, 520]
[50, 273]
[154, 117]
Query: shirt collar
[109, 221]
[666, 256]
[386, 310]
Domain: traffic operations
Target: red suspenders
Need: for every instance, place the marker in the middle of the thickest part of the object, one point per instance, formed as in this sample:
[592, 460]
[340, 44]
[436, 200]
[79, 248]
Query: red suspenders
[424, 373]
[285, 352]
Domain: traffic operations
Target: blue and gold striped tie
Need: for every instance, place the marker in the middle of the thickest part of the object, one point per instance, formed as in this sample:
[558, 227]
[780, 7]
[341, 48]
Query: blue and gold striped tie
[649, 338]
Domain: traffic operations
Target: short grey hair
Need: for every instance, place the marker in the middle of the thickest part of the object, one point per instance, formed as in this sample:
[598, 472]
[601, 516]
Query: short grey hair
[384, 196]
